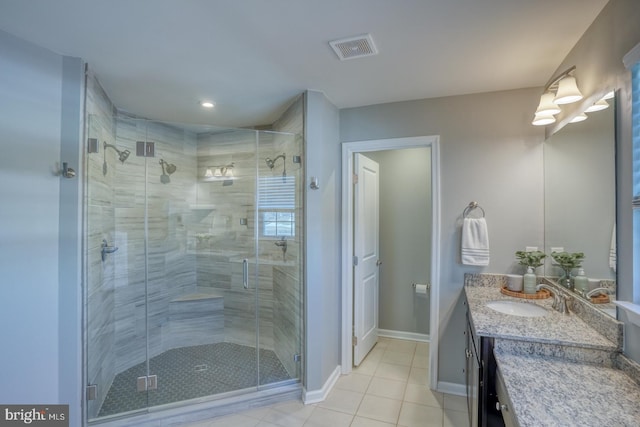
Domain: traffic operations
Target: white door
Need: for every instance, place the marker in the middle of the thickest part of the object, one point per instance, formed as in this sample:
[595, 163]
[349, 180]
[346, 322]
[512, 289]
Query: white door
[366, 257]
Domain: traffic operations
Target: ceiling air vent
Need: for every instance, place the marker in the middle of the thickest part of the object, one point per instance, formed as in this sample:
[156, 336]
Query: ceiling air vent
[354, 47]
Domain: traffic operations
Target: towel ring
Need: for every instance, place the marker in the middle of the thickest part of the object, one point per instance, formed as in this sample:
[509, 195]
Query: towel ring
[471, 207]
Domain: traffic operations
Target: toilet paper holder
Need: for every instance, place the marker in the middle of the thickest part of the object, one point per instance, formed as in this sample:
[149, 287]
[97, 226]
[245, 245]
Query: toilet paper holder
[428, 285]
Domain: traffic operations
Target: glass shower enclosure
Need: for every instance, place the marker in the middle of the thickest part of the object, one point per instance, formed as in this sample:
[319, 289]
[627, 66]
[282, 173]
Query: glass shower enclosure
[193, 263]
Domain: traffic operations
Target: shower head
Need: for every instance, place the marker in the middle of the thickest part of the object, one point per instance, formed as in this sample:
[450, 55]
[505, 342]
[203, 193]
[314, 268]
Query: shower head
[123, 155]
[171, 168]
[272, 162]
[167, 169]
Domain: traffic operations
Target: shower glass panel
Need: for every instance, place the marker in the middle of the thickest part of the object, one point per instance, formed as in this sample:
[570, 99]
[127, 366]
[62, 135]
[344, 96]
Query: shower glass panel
[193, 266]
[279, 235]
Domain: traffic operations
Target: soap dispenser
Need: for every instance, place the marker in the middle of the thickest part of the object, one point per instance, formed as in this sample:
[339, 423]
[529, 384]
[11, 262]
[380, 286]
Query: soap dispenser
[529, 285]
[580, 282]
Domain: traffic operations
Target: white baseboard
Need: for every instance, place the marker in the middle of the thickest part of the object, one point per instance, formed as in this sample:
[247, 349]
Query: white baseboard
[413, 336]
[452, 388]
[315, 396]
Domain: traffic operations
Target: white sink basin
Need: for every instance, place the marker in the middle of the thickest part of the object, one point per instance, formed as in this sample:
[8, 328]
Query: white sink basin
[515, 308]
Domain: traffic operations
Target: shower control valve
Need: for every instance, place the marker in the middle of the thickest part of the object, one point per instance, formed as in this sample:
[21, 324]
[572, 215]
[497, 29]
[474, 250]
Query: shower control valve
[106, 249]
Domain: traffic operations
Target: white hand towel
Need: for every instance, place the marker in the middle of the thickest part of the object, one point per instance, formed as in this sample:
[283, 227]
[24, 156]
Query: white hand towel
[613, 251]
[475, 242]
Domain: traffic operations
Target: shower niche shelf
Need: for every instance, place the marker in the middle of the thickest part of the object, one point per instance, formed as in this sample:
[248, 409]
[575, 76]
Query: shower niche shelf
[201, 206]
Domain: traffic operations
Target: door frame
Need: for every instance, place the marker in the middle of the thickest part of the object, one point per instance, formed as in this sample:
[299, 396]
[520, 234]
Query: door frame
[348, 150]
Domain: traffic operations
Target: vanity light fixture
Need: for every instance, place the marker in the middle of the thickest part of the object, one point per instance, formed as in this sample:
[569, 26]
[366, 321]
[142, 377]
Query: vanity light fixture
[219, 173]
[562, 89]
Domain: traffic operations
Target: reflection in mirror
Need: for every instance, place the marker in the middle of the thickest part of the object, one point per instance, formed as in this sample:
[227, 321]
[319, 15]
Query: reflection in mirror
[579, 198]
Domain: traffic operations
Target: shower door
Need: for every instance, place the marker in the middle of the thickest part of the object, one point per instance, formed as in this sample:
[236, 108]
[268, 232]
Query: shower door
[190, 291]
[122, 267]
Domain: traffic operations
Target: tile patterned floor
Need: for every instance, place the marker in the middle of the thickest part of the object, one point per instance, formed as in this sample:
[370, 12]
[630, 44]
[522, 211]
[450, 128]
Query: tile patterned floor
[388, 389]
[190, 372]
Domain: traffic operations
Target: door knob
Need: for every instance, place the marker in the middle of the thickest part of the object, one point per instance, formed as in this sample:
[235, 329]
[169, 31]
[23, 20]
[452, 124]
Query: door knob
[378, 263]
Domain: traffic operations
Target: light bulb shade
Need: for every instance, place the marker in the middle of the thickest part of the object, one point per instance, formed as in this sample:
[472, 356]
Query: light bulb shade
[229, 172]
[568, 91]
[598, 106]
[543, 119]
[579, 118]
[609, 95]
[217, 173]
[547, 106]
[208, 173]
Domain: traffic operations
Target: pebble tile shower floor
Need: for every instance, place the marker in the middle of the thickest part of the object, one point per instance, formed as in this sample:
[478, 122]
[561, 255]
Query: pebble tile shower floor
[190, 372]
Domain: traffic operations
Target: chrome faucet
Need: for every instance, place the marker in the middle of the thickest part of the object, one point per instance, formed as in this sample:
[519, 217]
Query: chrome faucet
[559, 300]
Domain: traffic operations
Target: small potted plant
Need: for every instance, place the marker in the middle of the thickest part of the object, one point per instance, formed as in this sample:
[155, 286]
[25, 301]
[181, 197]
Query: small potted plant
[531, 260]
[567, 261]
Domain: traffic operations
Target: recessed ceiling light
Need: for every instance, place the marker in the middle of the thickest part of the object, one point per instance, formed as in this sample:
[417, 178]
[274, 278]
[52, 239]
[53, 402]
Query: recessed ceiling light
[207, 104]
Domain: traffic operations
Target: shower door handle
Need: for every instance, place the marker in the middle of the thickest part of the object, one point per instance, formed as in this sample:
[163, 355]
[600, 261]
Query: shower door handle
[245, 273]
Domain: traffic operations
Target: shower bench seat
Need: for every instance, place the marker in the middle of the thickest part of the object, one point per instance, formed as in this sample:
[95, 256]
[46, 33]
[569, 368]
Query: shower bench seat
[195, 319]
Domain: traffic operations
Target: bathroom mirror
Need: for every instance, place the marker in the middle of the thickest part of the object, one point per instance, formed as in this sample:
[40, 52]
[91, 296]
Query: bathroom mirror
[579, 198]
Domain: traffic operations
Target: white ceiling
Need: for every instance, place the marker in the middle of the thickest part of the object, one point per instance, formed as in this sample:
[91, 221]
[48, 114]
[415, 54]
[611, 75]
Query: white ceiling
[159, 58]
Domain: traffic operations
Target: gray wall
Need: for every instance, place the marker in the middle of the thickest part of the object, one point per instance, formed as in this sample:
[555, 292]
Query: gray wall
[598, 60]
[30, 128]
[322, 261]
[490, 153]
[39, 249]
[70, 241]
[405, 237]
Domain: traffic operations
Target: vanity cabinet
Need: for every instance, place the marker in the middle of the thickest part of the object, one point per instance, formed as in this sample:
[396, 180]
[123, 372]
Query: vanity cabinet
[505, 404]
[481, 375]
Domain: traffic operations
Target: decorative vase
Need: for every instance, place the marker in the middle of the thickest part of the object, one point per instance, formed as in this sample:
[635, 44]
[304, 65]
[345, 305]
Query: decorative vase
[529, 282]
[567, 280]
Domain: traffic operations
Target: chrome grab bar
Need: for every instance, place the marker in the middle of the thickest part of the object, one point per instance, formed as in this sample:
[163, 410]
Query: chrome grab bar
[245, 273]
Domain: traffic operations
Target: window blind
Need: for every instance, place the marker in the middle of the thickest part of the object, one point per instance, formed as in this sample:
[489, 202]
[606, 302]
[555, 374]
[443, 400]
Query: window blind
[276, 192]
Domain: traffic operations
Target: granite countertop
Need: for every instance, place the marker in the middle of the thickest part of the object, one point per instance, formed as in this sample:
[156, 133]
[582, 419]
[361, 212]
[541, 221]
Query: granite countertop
[554, 392]
[553, 328]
